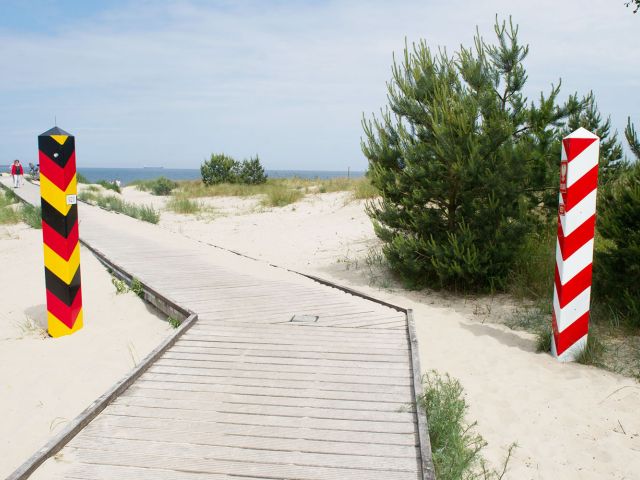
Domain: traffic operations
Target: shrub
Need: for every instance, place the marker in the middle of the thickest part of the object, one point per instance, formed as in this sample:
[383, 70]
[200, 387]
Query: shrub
[617, 263]
[220, 168]
[251, 172]
[460, 162]
[162, 186]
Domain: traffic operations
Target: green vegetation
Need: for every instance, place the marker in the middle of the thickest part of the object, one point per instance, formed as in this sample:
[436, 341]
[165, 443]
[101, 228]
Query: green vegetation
[455, 446]
[137, 288]
[221, 168]
[174, 322]
[157, 186]
[146, 213]
[81, 178]
[121, 286]
[276, 192]
[593, 351]
[109, 185]
[31, 215]
[181, 204]
[9, 214]
[279, 197]
[461, 162]
[12, 211]
[617, 262]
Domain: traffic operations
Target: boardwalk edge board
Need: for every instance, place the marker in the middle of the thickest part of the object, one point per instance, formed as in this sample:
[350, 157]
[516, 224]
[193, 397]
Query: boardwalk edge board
[58, 442]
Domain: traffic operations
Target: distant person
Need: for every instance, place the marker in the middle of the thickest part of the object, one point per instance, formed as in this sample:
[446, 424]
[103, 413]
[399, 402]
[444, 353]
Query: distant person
[17, 172]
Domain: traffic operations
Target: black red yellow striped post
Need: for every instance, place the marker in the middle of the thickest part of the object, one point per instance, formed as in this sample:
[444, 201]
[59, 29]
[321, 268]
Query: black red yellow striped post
[58, 189]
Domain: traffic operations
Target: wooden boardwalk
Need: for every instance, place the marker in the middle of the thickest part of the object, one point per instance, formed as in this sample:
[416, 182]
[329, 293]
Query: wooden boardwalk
[247, 393]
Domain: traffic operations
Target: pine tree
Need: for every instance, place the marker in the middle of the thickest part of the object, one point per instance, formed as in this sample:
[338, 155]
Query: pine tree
[611, 160]
[617, 265]
[460, 161]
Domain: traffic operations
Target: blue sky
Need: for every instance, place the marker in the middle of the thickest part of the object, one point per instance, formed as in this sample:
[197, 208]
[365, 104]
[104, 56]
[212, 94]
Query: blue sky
[169, 82]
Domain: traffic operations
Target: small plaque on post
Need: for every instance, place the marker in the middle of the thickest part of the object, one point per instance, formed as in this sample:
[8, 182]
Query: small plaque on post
[72, 199]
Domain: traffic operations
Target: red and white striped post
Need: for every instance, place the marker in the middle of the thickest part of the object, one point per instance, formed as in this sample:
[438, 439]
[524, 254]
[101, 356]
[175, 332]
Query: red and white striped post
[574, 249]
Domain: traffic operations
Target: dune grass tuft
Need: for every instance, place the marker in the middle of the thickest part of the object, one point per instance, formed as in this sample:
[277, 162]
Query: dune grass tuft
[109, 185]
[31, 215]
[455, 446]
[278, 196]
[593, 351]
[146, 213]
[183, 205]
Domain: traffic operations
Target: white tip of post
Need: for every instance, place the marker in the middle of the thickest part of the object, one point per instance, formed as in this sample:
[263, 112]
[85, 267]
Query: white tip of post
[571, 353]
[582, 133]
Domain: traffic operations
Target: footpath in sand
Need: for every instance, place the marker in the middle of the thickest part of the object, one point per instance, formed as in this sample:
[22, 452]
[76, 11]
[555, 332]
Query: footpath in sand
[46, 382]
[570, 421]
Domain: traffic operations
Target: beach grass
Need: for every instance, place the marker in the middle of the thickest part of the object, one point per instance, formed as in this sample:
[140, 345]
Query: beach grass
[455, 445]
[278, 192]
[109, 185]
[157, 186]
[146, 213]
[279, 196]
[31, 215]
[184, 205]
[11, 212]
[593, 352]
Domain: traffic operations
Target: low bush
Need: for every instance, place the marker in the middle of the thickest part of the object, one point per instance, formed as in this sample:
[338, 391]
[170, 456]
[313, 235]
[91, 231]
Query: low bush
[220, 168]
[157, 186]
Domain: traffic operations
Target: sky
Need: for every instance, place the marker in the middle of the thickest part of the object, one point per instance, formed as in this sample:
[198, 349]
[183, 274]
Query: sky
[168, 82]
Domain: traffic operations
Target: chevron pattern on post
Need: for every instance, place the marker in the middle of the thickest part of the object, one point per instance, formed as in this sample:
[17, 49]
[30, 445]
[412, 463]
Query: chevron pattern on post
[58, 189]
[574, 248]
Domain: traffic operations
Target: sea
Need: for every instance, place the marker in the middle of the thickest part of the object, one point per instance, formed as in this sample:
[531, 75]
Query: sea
[128, 175]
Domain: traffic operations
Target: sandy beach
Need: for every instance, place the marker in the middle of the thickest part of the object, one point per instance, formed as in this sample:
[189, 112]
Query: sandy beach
[569, 421]
[46, 382]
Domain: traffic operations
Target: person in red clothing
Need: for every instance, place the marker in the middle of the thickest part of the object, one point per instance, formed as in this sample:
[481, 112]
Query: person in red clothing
[17, 173]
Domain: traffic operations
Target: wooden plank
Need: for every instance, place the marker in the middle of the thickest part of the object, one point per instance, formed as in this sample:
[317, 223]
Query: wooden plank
[308, 369]
[141, 390]
[166, 417]
[215, 466]
[262, 443]
[308, 383]
[250, 374]
[289, 411]
[269, 456]
[298, 393]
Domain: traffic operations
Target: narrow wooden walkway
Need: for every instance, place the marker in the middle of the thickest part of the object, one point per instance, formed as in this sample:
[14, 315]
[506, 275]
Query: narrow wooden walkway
[246, 393]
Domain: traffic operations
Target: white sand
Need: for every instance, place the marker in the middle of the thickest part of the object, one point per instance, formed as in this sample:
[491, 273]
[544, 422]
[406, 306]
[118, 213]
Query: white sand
[570, 421]
[46, 382]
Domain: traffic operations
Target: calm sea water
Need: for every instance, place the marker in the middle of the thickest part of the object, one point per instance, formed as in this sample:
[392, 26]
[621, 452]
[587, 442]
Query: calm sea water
[127, 175]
